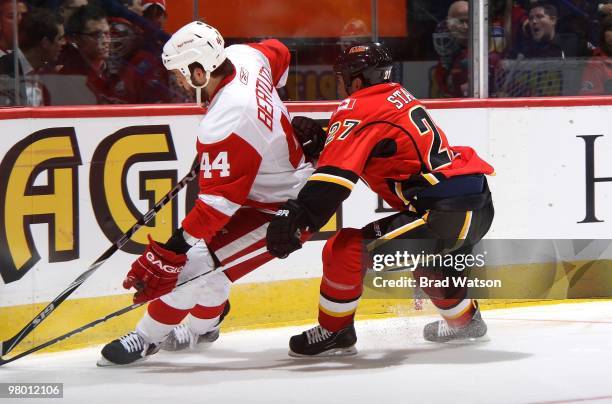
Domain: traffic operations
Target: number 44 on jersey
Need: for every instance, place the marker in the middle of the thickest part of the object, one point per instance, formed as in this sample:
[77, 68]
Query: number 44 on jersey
[220, 163]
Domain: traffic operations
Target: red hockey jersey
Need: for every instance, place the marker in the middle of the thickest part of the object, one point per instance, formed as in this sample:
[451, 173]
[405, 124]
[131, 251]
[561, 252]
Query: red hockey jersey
[385, 136]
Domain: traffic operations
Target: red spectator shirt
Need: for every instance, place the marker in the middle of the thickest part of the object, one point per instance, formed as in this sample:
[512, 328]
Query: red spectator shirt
[596, 73]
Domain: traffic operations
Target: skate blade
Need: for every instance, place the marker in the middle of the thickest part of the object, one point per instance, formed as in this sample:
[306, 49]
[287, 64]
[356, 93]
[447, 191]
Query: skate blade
[336, 352]
[103, 363]
[468, 341]
[200, 347]
[464, 341]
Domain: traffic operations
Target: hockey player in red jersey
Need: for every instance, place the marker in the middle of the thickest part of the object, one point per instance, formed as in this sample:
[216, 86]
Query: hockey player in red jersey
[250, 163]
[383, 135]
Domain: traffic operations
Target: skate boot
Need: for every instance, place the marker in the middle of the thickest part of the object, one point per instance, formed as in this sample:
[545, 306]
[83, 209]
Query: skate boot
[126, 350]
[318, 342]
[182, 337]
[440, 331]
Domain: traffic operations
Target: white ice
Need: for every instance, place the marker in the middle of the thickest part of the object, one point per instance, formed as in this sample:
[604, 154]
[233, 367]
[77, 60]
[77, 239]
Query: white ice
[544, 354]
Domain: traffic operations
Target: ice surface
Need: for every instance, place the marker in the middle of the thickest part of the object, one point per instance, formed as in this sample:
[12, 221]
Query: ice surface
[543, 354]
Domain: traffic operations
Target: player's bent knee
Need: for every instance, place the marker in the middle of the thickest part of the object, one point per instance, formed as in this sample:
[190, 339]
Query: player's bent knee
[343, 251]
[215, 291]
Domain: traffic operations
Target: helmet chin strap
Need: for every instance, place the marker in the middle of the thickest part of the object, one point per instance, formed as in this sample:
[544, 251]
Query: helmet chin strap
[198, 89]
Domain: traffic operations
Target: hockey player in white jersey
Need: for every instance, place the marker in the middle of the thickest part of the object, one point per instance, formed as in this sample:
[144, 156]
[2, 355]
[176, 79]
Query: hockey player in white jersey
[250, 163]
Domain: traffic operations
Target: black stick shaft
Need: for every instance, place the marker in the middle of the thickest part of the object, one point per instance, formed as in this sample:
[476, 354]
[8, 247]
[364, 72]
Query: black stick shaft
[71, 333]
[10, 343]
[89, 325]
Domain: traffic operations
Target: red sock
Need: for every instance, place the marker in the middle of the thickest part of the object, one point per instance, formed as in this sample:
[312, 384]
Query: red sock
[165, 314]
[204, 312]
[456, 312]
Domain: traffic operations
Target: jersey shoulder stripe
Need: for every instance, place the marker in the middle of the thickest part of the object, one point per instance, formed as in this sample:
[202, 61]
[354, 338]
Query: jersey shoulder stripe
[335, 175]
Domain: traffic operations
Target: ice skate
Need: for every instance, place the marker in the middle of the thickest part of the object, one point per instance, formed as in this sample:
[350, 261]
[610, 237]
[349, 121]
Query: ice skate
[318, 342]
[182, 337]
[440, 331]
[126, 350]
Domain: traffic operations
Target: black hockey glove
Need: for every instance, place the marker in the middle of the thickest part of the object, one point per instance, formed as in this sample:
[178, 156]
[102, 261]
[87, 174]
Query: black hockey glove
[283, 236]
[310, 135]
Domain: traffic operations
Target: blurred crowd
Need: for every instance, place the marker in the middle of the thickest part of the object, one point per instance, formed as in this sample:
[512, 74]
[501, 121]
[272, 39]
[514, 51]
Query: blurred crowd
[561, 47]
[75, 52]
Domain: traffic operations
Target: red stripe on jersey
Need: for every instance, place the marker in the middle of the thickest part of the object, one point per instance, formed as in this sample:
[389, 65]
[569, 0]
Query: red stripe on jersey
[165, 314]
[228, 170]
[277, 54]
[203, 312]
[253, 247]
[204, 221]
[238, 271]
[273, 206]
[239, 236]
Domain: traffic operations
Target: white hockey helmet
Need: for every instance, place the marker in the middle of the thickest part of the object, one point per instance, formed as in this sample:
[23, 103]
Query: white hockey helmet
[195, 42]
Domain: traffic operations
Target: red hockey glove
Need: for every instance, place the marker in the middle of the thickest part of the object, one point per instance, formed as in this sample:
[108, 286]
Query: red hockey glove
[155, 272]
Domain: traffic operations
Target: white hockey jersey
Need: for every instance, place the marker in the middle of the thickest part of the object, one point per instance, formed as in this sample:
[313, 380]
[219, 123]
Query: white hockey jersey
[248, 153]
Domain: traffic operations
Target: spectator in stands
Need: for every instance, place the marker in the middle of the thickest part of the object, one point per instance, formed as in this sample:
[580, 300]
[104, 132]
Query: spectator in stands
[136, 70]
[86, 55]
[134, 6]
[124, 42]
[581, 19]
[597, 76]
[137, 76]
[542, 39]
[450, 77]
[355, 30]
[458, 21]
[68, 7]
[520, 19]
[41, 37]
[7, 22]
[155, 12]
[605, 8]
[132, 11]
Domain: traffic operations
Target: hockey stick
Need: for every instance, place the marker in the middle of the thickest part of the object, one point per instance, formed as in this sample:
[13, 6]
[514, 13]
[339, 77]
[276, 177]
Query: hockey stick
[71, 333]
[120, 312]
[9, 344]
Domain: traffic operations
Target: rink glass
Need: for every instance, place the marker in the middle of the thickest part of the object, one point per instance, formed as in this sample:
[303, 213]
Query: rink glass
[442, 49]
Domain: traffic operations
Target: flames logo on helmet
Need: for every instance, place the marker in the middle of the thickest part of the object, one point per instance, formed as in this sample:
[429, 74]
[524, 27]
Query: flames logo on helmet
[371, 62]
